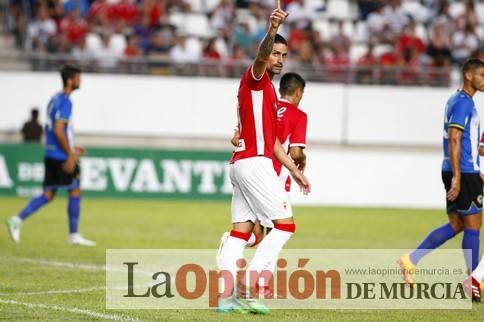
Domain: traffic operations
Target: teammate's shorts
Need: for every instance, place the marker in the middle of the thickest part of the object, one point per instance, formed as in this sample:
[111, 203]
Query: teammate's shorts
[469, 200]
[55, 176]
[258, 193]
[285, 179]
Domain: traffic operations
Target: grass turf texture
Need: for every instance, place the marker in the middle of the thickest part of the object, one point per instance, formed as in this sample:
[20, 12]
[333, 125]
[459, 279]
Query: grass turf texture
[173, 224]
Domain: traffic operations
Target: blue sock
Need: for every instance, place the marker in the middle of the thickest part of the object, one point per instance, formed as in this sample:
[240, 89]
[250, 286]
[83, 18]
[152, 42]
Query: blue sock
[74, 209]
[433, 240]
[33, 206]
[471, 241]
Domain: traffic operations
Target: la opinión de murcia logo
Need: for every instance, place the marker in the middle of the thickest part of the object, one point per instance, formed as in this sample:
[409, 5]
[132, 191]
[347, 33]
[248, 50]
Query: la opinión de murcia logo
[192, 282]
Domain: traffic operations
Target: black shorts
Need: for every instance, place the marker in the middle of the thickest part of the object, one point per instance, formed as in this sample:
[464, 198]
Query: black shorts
[469, 200]
[55, 176]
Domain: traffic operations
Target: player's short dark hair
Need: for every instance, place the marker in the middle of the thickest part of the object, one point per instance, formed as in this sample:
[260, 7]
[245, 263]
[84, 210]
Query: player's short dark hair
[472, 64]
[280, 40]
[34, 113]
[290, 82]
[69, 72]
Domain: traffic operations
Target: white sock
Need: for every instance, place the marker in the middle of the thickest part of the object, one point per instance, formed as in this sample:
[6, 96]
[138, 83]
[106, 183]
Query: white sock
[17, 219]
[232, 251]
[251, 240]
[267, 253]
[478, 273]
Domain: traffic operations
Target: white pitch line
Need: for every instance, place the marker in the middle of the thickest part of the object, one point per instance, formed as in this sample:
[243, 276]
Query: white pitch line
[82, 290]
[73, 310]
[74, 291]
[89, 267]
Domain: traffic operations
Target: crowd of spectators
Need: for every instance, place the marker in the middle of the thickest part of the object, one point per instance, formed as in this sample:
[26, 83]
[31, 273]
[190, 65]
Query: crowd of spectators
[327, 38]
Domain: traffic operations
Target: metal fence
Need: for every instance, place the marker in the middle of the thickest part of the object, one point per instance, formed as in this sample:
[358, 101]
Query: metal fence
[315, 72]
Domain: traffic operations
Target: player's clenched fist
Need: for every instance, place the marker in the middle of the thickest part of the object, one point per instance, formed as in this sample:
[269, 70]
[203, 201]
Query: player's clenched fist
[277, 17]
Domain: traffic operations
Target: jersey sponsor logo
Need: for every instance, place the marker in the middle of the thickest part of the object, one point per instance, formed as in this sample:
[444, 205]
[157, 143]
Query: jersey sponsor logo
[280, 112]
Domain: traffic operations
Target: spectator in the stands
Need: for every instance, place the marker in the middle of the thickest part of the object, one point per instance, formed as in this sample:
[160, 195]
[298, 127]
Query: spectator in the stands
[365, 73]
[155, 11]
[340, 39]
[376, 24]
[260, 15]
[82, 53]
[408, 41]
[100, 13]
[81, 5]
[300, 14]
[41, 31]
[337, 64]
[143, 31]
[132, 47]
[395, 16]
[107, 56]
[366, 7]
[439, 45]
[223, 15]
[391, 63]
[32, 130]
[74, 27]
[464, 41]
[160, 45]
[444, 18]
[55, 8]
[306, 56]
[125, 13]
[210, 52]
[470, 14]
[182, 53]
[243, 37]
[238, 54]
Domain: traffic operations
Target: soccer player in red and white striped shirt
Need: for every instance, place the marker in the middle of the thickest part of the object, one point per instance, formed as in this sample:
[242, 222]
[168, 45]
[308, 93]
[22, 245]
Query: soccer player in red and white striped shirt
[258, 194]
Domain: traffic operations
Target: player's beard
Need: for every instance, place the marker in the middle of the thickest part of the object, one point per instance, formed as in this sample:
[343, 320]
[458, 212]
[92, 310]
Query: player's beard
[276, 70]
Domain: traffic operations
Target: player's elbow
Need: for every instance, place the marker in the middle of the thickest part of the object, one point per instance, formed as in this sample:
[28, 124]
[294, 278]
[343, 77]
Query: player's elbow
[454, 142]
[297, 154]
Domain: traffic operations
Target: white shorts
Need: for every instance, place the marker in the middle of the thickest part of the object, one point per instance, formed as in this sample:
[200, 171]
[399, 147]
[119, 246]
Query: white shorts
[258, 192]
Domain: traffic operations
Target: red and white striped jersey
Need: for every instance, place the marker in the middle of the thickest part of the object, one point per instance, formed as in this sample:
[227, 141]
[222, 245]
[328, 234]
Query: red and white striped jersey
[291, 128]
[257, 105]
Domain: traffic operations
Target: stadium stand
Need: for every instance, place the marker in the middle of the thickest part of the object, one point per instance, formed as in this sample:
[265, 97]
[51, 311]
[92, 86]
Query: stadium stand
[414, 42]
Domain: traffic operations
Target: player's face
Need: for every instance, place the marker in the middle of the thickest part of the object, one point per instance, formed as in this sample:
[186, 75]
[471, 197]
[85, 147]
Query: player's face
[477, 80]
[299, 95]
[76, 82]
[277, 58]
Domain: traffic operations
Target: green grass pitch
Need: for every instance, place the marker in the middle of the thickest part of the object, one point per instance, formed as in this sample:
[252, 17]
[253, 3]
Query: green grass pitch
[31, 286]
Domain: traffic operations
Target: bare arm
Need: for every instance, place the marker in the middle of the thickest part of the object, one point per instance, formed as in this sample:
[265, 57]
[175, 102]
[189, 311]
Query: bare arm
[265, 47]
[297, 175]
[481, 150]
[455, 137]
[299, 157]
[59, 132]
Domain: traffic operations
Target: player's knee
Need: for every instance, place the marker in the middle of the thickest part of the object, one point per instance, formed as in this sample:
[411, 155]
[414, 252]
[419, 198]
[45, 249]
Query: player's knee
[457, 226]
[49, 195]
